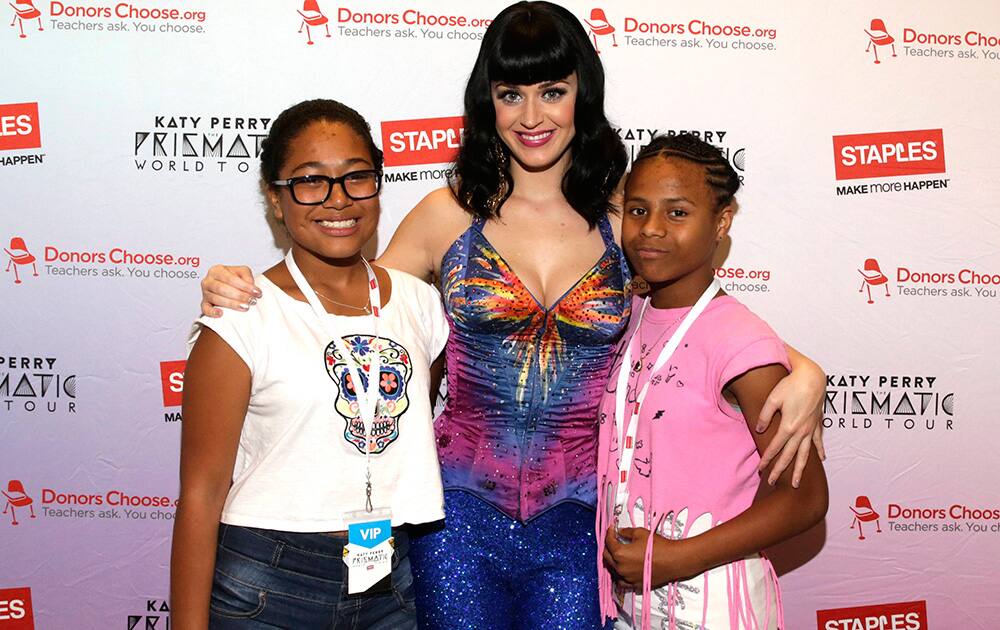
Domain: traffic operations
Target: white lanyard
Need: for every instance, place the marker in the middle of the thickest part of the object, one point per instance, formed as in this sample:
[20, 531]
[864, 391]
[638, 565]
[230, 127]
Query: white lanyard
[627, 446]
[368, 397]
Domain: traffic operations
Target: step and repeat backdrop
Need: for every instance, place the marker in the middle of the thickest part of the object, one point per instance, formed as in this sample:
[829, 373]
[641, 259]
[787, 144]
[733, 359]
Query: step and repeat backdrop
[866, 135]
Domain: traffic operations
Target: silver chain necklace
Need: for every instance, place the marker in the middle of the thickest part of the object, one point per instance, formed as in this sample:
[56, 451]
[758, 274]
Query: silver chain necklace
[365, 309]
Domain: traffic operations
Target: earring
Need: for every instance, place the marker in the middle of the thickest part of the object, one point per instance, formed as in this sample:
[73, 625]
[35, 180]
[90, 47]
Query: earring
[501, 159]
[499, 154]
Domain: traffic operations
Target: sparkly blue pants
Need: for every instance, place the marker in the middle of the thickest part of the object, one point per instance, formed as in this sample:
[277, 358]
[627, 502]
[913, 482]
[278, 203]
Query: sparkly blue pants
[485, 570]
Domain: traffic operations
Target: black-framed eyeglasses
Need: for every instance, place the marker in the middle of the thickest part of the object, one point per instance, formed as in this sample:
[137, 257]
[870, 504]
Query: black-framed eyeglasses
[313, 190]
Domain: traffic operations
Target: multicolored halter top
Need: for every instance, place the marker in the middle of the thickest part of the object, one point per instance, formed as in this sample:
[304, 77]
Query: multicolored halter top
[519, 429]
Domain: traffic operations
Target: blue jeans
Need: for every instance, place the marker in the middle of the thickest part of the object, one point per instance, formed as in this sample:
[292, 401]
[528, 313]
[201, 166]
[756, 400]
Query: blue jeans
[271, 579]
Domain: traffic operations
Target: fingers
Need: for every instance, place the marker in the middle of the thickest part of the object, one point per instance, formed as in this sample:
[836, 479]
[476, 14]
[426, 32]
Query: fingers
[210, 311]
[609, 561]
[817, 438]
[771, 407]
[801, 458]
[225, 296]
[245, 274]
[227, 288]
[627, 533]
[611, 543]
[238, 278]
[785, 458]
[612, 565]
[620, 557]
[777, 443]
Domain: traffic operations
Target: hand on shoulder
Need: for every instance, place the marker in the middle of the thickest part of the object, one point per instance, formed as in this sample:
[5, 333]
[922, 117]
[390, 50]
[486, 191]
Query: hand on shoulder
[230, 287]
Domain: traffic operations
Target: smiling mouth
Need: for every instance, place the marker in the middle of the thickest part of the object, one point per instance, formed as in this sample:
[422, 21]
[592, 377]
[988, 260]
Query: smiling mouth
[341, 224]
[535, 139]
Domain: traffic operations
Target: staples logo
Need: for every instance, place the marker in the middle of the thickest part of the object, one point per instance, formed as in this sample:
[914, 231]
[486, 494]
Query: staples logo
[901, 616]
[889, 154]
[15, 609]
[19, 126]
[421, 141]
[172, 380]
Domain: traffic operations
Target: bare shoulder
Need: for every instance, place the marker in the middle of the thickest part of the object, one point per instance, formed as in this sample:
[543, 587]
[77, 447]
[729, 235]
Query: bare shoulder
[440, 208]
[425, 234]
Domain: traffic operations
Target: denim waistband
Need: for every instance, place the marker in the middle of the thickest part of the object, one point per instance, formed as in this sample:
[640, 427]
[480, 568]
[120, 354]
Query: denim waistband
[317, 555]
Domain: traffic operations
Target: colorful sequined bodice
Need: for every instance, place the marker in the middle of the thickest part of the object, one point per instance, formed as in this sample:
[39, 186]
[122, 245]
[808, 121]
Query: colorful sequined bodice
[524, 382]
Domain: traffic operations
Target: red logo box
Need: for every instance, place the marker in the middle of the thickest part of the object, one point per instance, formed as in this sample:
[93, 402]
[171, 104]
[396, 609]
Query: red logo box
[15, 609]
[901, 616]
[172, 380]
[421, 141]
[889, 154]
[19, 127]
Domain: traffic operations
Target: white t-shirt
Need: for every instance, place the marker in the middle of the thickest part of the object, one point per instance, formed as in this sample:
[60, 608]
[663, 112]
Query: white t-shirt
[301, 464]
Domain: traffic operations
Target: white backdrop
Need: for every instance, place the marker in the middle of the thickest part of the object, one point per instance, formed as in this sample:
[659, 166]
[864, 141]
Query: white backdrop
[128, 138]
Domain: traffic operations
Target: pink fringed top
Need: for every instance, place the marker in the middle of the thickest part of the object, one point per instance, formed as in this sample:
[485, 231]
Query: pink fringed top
[695, 466]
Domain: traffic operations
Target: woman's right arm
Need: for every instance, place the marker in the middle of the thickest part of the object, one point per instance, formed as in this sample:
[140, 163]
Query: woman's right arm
[416, 248]
[216, 396]
[415, 244]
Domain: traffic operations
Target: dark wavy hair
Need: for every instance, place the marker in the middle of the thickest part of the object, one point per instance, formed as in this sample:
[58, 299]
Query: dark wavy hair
[291, 122]
[720, 176]
[527, 43]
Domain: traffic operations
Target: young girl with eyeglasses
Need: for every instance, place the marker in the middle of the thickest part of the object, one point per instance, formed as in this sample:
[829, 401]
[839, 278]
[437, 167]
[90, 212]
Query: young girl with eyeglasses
[680, 528]
[307, 445]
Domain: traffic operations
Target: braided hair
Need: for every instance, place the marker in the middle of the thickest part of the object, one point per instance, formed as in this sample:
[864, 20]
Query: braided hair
[719, 174]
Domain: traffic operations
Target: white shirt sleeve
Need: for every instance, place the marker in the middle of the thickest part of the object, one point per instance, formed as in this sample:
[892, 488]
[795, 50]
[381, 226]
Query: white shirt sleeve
[241, 332]
[437, 321]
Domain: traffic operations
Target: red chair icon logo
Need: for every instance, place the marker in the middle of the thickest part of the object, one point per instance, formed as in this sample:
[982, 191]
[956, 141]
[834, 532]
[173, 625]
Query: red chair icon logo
[872, 276]
[312, 16]
[25, 10]
[864, 513]
[16, 498]
[18, 255]
[878, 36]
[598, 25]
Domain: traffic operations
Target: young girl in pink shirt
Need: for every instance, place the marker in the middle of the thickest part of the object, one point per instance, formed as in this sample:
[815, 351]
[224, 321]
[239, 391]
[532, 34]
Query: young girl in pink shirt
[677, 455]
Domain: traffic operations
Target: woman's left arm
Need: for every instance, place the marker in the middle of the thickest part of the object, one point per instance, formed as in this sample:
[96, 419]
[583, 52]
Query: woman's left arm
[799, 399]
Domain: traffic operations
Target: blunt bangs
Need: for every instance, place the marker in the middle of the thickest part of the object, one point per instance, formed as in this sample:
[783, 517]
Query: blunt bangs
[531, 50]
[529, 43]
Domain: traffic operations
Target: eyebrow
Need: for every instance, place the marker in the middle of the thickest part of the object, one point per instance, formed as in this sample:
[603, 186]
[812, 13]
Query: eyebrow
[347, 162]
[542, 85]
[668, 199]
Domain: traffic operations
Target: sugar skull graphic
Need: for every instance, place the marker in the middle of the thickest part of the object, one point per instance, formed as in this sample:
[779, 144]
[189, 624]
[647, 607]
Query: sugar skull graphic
[395, 374]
